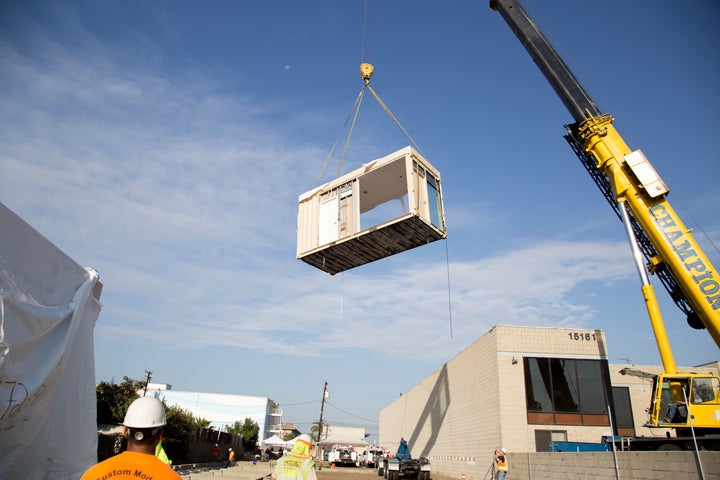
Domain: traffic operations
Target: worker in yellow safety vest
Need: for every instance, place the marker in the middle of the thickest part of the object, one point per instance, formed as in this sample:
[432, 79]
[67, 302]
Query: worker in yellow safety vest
[296, 465]
[501, 464]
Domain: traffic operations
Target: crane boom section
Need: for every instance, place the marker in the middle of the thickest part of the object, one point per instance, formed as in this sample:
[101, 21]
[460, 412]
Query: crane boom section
[561, 78]
[676, 249]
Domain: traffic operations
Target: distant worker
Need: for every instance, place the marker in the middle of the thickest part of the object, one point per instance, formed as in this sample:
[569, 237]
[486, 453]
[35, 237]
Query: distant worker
[215, 452]
[231, 457]
[160, 453]
[501, 463]
[296, 465]
[143, 428]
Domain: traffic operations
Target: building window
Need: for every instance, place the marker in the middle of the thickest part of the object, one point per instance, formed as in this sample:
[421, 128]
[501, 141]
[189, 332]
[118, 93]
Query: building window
[544, 438]
[566, 391]
[434, 202]
[623, 411]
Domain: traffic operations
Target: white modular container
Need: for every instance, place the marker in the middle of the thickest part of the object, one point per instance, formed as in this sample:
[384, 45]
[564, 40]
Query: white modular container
[387, 206]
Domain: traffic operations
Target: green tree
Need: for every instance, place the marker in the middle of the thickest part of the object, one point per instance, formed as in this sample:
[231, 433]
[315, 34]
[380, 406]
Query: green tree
[314, 432]
[202, 422]
[180, 428]
[234, 429]
[113, 399]
[249, 432]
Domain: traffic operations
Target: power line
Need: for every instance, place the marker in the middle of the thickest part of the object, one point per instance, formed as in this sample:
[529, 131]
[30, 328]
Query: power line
[351, 414]
[299, 403]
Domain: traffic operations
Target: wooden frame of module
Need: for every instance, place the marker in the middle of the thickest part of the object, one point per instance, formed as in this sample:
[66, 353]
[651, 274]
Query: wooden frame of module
[387, 206]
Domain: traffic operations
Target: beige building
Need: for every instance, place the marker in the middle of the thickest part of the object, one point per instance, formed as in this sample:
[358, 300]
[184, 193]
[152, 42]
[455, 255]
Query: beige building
[519, 388]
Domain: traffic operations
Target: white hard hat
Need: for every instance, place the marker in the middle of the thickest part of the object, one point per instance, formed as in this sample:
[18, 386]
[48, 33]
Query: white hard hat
[305, 438]
[503, 450]
[145, 412]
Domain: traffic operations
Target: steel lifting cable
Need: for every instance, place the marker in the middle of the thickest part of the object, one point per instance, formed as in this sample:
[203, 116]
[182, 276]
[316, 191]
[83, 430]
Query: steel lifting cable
[364, 31]
[394, 119]
[358, 101]
[366, 71]
[356, 109]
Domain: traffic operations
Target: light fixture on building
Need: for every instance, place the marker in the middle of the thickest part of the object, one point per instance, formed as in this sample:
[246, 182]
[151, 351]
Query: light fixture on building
[514, 360]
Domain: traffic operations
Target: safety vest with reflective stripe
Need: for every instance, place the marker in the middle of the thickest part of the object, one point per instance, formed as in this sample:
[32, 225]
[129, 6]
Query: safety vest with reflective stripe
[291, 467]
[502, 464]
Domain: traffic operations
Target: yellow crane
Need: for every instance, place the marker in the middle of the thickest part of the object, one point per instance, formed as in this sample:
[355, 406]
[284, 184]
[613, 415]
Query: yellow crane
[661, 244]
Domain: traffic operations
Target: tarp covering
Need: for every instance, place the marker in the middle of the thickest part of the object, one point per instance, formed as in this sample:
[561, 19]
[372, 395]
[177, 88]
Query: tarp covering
[48, 308]
[403, 450]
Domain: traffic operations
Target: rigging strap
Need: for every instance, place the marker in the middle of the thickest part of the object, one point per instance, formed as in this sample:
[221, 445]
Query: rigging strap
[366, 71]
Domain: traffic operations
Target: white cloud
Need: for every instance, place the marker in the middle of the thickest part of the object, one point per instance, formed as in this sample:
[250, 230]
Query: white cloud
[184, 199]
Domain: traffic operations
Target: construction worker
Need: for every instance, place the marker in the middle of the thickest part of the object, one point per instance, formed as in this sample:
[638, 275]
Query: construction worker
[143, 428]
[501, 464]
[296, 465]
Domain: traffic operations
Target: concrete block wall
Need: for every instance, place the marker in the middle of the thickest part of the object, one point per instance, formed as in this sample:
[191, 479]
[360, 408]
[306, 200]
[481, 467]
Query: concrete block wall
[514, 343]
[476, 402]
[453, 415]
[601, 466]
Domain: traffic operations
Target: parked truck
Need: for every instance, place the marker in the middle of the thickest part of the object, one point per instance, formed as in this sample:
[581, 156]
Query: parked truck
[342, 455]
[372, 456]
[402, 464]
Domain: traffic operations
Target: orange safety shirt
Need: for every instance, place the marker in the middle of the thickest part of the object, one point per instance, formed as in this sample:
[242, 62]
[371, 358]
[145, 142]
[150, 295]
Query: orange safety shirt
[131, 466]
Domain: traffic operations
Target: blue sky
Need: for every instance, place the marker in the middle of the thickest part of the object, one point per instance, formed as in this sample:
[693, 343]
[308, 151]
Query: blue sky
[165, 144]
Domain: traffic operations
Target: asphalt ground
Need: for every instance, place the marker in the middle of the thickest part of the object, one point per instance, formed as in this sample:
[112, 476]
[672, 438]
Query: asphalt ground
[239, 471]
[263, 470]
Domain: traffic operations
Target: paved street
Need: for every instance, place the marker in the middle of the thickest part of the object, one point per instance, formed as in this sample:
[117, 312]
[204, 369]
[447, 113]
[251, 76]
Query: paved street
[262, 470]
[248, 471]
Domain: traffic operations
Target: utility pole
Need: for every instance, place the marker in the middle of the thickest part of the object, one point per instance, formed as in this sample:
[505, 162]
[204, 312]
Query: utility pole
[322, 407]
[147, 380]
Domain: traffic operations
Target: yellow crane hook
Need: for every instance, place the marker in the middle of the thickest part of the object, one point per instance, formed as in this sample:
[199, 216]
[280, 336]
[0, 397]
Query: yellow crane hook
[366, 71]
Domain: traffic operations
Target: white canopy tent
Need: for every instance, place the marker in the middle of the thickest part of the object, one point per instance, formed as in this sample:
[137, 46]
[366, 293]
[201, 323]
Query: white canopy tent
[276, 441]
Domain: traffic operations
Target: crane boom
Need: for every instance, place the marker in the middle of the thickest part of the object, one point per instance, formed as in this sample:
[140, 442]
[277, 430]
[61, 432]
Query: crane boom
[626, 176]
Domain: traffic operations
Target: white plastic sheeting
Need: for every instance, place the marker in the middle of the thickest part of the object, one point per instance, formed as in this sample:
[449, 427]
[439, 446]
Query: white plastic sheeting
[222, 409]
[48, 308]
[343, 436]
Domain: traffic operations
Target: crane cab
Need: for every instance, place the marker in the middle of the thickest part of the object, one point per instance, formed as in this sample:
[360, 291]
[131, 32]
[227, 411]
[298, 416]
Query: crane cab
[685, 400]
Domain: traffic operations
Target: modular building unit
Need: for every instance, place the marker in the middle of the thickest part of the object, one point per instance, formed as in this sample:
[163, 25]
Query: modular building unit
[388, 206]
